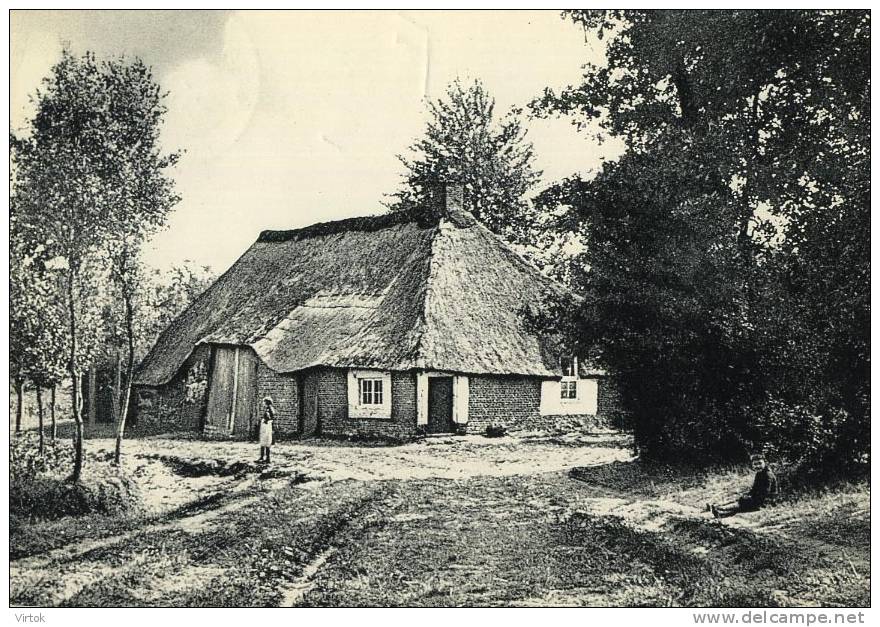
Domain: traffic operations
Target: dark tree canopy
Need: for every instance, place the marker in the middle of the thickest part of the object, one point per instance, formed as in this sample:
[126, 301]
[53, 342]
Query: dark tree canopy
[465, 143]
[727, 251]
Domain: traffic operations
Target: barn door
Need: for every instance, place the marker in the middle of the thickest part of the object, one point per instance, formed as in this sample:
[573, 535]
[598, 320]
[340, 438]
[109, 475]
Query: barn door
[232, 391]
[246, 395]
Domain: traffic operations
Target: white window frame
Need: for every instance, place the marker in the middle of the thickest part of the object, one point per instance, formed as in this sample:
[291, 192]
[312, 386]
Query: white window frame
[356, 407]
[374, 391]
[569, 380]
[565, 385]
[586, 401]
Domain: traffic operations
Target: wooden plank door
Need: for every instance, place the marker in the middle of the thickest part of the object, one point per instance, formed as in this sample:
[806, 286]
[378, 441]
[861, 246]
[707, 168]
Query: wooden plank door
[222, 390]
[246, 395]
[232, 392]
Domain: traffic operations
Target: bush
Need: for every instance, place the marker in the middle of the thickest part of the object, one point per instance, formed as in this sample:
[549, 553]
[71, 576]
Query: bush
[819, 441]
[495, 431]
[39, 489]
[50, 497]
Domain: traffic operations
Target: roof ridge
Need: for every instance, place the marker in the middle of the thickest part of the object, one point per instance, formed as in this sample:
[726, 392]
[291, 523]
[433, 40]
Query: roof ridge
[436, 271]
[421, 325]
[366, 223]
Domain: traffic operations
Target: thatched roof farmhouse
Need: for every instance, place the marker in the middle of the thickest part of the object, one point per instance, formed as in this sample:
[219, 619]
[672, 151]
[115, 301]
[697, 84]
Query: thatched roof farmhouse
[394, 326]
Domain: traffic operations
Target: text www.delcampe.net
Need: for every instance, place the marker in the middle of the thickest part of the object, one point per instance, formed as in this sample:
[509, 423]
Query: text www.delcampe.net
[765, 617]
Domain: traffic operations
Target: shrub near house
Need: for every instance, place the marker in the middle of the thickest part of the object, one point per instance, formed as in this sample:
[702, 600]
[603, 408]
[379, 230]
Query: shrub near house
[388, 326]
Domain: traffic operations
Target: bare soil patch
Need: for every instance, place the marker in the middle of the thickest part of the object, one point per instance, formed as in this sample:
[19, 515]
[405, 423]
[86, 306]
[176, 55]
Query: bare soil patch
[446, 521]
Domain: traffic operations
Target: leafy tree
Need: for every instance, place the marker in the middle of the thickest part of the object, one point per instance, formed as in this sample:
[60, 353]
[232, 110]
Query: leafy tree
[38, 341]
[709, 243]
[20, 298]
[91, 179]
[19, 330]
[165, 295]
[142, 208]
[37, 334]
[47, 356]
[466, 144]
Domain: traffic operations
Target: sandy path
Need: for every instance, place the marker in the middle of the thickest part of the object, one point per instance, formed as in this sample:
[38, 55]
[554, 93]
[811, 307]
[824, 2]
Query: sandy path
[37, 578]
[452, 457]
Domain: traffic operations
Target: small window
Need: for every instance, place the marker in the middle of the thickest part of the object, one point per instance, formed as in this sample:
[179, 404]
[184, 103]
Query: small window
[370, 391]
[568, 390]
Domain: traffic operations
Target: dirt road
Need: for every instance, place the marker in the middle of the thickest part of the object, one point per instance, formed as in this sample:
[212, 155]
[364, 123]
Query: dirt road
[446, 521]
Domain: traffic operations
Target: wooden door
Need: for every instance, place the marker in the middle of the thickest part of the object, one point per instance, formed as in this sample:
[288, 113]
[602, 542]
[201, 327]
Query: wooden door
[232, 392]
[440, 405]
[246, 394]
[221, 390]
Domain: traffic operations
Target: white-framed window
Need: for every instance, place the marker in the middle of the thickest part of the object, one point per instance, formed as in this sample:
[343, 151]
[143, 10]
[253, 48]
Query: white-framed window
[568, 388]
[369, 394]
[370, 391]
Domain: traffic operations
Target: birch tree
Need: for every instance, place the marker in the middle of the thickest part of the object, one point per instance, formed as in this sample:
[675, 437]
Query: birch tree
[93, 183]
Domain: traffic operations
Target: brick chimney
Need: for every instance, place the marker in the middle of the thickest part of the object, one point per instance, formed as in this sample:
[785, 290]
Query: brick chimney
[447, 197]
[453, 197]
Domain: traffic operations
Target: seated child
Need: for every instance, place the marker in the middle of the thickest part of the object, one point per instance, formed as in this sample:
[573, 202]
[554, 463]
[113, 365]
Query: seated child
[765, 486]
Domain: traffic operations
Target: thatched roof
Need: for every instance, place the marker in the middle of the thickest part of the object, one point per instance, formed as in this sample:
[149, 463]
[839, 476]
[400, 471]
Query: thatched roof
[397, 291]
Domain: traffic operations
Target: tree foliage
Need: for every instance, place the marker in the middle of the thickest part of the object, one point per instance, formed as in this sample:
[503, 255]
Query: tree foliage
[465, 143]
[38, 341]
[727, 250]
[164, 295]
[91, 182]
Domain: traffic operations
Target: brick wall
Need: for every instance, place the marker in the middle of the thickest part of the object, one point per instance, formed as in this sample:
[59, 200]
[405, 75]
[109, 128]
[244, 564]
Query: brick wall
[309, 389]
[178, 405]
[611, 412]
[331, 388]
[515, 403]
[508, 401]
[283, 390]
[330, 399]
[404, 405]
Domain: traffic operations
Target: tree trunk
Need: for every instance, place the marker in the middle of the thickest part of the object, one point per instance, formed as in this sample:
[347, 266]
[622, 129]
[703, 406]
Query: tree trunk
[117, 374]
[129, 374]
[19, 403]
[75, 397]
[746, 209]
[53, 433]
[90, 392]
[685, 94]
[40, 419]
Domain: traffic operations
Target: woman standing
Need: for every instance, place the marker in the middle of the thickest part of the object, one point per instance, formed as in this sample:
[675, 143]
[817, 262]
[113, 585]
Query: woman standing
[266, 431]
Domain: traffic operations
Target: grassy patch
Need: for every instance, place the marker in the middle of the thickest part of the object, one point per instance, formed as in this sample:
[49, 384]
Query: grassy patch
[580, 440]
[245, 558]
[28, 538]
[39, 488]
[516, 541]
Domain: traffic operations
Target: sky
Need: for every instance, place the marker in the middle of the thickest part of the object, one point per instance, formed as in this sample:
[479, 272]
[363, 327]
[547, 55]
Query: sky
[296, 117]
